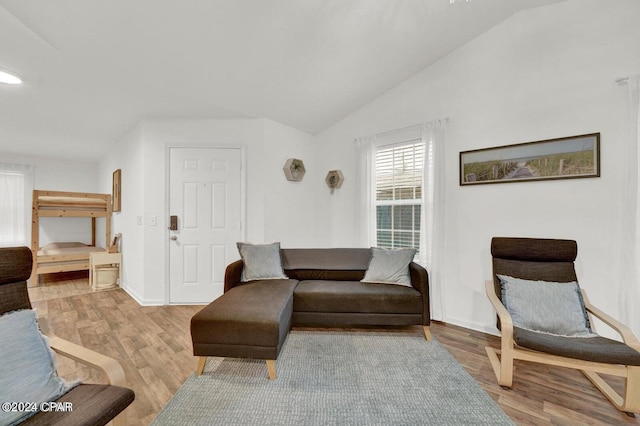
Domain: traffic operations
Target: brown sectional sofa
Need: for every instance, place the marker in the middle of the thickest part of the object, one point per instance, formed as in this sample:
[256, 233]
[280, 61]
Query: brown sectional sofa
[323, 289]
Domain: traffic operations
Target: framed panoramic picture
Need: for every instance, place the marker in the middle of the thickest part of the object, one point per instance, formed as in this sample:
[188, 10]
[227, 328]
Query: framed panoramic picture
[562, 158]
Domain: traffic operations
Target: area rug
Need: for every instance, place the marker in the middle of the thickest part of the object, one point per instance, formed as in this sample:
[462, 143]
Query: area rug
[337, 378]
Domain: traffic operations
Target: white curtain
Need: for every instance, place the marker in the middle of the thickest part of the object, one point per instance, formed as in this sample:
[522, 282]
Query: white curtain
[432, 214]
[365, 218]
[16, 186]
[630, 292]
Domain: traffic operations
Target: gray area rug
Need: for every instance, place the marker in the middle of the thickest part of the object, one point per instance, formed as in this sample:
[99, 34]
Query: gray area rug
[337, 378]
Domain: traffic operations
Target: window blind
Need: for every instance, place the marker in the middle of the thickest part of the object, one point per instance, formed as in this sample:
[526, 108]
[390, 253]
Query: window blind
[398, 179]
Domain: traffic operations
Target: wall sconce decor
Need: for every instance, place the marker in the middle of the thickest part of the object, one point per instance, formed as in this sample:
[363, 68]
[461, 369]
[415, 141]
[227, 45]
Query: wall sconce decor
[334, 179]
[294, 170]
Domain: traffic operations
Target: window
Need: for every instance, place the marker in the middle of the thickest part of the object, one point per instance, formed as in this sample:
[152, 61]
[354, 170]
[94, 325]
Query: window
[401, 174]
[15, 184]
[398, 189]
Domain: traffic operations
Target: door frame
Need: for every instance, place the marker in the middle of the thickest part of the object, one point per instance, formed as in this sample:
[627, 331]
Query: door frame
[167, 212]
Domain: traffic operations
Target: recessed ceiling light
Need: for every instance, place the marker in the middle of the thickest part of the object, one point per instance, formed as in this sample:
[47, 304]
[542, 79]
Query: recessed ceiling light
[8, 78]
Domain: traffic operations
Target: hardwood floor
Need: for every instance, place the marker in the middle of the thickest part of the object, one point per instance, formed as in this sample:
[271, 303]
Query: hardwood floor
[153, 345]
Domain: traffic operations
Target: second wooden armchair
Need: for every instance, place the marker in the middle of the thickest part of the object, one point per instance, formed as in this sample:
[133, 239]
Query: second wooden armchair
[530, 276]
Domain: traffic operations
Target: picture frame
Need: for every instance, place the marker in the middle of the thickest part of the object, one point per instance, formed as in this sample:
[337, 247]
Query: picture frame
[116, 191]
[568, 157]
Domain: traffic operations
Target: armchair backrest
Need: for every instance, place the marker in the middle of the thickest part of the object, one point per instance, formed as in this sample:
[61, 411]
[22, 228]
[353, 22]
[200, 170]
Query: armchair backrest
[533, 259]
[15, 270]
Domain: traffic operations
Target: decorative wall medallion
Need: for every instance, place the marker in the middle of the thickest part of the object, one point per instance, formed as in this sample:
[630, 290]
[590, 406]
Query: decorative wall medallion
[334, 179]
[294, 170]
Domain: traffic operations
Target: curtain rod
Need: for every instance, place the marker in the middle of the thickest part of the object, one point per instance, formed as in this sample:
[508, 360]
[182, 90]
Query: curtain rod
[402, 129]
[440, 121]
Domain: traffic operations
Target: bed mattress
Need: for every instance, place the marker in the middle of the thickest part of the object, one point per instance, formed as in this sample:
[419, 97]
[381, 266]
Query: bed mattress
[67, 248]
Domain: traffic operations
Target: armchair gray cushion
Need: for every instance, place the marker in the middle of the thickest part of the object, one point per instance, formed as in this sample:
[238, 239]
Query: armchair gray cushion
[544, 306]
[27, 367]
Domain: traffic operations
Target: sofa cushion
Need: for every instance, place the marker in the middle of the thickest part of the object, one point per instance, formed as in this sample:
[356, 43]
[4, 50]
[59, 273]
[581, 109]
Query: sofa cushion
[324, 274]
[389, 266]
[27, 367]
[330, 259]
[261, 261]
[355, 296]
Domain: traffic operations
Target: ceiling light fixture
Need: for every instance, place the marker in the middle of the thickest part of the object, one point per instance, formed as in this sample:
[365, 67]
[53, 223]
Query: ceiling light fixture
[8, 78]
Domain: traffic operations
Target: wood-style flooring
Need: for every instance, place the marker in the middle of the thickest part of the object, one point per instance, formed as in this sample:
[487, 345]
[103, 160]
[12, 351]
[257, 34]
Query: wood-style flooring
[153, 345]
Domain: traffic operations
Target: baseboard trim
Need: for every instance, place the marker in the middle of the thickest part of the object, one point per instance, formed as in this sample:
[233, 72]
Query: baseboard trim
[483, 328]
[140, 300]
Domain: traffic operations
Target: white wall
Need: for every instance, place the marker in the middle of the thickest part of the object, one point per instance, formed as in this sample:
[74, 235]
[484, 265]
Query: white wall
[60, 175]
[275, 209]
[290, 212]
[544, 73]
[128, 155]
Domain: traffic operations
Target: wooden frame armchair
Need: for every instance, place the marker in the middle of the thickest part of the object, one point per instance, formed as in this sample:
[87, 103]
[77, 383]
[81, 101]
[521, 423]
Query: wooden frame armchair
[553, 260]
[93, 404]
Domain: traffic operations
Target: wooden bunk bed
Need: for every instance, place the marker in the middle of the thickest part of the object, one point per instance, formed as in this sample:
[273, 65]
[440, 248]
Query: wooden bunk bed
[67, 256]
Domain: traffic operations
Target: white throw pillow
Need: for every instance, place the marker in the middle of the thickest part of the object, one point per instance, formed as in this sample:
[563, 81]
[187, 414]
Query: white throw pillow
[27, 365]
[548, 307]
[389, 266]
[261, 261]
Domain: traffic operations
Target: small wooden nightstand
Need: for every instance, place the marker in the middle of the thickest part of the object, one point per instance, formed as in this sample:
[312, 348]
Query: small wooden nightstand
[105, 270]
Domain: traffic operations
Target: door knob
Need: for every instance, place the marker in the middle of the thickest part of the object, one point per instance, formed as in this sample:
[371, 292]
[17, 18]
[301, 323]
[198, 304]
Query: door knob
[174, 237]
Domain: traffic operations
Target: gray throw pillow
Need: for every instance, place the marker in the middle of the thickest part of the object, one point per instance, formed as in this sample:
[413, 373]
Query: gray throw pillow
[27, 367]
[389, 266]
[261, 262]
[548, 307]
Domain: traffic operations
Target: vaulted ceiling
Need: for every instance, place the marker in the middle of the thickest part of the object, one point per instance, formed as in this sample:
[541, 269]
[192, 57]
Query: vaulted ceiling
[92, 69]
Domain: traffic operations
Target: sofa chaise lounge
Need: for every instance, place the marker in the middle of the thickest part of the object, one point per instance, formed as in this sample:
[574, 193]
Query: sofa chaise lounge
[320, 288]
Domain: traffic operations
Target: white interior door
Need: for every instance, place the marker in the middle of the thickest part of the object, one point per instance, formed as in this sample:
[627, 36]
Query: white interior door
[205, 196]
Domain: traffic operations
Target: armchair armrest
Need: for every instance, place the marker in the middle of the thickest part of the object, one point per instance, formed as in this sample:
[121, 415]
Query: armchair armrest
[625, 332]
[503, 366]
[111, 369]
[506, 323]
